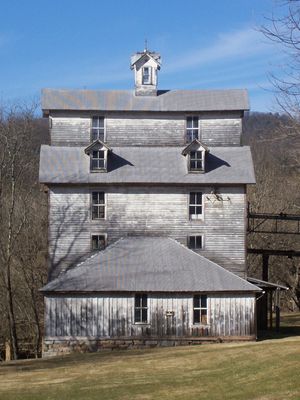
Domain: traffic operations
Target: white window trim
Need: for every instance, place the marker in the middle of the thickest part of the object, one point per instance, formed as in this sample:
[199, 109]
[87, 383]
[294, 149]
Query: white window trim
[104, 127]
[104, 168]
[91, 205]
[199, 324]
[202, 241]
[149, 82]
[202, 160]
[98, 234]
[186, 127]
[200, 217]
[148, 309]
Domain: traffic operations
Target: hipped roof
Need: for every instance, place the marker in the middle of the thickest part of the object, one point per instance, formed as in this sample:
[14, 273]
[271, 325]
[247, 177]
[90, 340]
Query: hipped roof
[148, 264]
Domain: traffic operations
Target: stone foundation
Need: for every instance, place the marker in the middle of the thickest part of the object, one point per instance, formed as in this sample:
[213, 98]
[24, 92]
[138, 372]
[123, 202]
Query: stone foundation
[58, 347]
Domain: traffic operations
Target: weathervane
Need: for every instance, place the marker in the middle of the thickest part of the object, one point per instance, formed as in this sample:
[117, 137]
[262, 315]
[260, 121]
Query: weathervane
[146, 45]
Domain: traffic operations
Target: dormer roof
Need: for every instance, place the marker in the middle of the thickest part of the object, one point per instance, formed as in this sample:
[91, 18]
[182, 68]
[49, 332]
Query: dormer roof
[96, 143]
[143, 54]
[191, 146]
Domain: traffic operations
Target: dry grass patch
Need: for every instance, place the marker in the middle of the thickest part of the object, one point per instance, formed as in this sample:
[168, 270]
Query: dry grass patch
[267, 370]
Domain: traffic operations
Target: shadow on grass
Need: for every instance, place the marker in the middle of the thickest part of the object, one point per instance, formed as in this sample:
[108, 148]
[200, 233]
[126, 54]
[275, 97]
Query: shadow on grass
[284, 332]
[68, 360]
[289, 326]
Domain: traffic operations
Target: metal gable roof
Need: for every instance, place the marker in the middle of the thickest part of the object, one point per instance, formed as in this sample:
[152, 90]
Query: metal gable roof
[137, 165]
[150, 264]
[125, 100]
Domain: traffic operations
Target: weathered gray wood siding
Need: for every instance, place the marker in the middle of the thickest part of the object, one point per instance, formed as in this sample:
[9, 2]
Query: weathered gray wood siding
[158, 211]
[70, 131]
[112, 315]
[145, 129]
[217, 130]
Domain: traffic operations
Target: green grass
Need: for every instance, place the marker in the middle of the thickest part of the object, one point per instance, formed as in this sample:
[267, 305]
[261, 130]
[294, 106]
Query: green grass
[267, 370]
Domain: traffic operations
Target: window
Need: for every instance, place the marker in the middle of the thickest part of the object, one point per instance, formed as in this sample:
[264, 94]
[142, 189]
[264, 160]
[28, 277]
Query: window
[195, 242]
[98, 160]
[140, 308]
[192, 128]
[195, 205]
[98, 205]
[196, 161]
[146, 75]
[98, 128]
[98, 242]
[200, 309]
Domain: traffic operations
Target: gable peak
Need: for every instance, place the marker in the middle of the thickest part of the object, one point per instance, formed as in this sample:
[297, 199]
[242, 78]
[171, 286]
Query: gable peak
[194, 145]
[96, 144]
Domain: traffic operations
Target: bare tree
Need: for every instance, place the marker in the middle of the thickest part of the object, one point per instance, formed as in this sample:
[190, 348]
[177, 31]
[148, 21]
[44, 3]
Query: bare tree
[18, 194]
[285, 31]
[277, 166]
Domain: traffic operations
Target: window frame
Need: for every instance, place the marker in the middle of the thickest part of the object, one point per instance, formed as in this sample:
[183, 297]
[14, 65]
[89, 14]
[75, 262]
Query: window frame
[187, 129]
[98, 235]
[196, 160]
[140, 309]
[203, 310]
[195, 236]
[196, 217]
[149, 81]
[104, 158]
[92, 139]
[104, 205]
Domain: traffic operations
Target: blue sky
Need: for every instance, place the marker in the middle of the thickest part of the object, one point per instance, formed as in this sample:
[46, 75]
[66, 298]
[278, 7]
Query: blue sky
[87, 44]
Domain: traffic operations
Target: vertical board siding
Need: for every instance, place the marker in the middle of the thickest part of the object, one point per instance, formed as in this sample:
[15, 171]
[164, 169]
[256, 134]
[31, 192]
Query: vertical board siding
[111, 316]
[145, 129]
[157, 211]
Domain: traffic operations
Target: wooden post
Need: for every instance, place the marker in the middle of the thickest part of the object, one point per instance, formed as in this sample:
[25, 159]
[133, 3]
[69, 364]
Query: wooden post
[7, 351]
[271, 308]
[277, 310]
[265, 267]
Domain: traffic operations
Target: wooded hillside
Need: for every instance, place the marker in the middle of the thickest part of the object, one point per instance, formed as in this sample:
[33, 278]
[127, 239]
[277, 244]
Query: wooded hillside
[275, 145]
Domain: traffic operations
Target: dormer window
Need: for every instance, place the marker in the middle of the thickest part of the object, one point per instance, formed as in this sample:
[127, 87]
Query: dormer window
[196, 160]
[98, 160]
[98, 153]
[146, 75]
[195, 154]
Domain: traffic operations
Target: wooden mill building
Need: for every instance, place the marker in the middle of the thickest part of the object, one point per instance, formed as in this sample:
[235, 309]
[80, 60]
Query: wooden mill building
[147, 215]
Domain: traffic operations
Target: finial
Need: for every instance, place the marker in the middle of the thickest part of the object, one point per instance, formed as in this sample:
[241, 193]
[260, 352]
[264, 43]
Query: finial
[146, 46]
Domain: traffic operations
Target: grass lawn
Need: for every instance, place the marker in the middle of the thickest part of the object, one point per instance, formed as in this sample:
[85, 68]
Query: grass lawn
[264, 370]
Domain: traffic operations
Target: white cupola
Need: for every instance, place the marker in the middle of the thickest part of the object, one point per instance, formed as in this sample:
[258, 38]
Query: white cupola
[145, 65]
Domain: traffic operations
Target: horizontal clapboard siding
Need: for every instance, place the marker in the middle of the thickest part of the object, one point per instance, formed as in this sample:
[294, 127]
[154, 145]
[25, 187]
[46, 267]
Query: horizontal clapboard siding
[157, 211]
[111, 316]
[145, 129]
[224, 131]
[70, 131]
